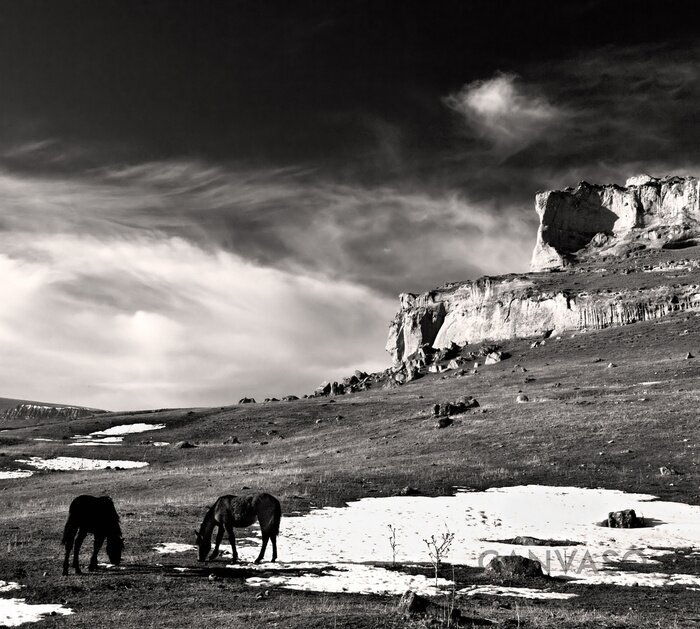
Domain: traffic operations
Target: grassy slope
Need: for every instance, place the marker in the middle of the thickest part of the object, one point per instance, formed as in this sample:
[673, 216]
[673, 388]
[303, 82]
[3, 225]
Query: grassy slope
[373, 443]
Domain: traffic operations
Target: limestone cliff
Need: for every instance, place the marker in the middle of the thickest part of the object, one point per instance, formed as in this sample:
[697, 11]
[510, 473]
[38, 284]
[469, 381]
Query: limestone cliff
[622, 254]
[593, 220]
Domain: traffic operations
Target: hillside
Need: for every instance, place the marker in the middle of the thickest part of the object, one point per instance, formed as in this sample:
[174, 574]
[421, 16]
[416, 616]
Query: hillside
[521, 407]
[613, 428]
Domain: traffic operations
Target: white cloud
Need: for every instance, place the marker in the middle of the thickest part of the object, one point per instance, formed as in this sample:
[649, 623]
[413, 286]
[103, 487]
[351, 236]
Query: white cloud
[230, 328]
[501, 110]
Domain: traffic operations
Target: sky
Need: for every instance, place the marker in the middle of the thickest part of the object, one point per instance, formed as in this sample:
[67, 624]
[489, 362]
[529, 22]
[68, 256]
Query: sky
[204, 200]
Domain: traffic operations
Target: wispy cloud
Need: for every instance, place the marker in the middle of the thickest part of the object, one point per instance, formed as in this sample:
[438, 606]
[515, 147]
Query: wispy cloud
[504, 111]
[181, 283]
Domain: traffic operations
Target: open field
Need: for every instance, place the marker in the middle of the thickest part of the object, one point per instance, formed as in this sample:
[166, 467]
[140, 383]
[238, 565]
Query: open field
[585, 425]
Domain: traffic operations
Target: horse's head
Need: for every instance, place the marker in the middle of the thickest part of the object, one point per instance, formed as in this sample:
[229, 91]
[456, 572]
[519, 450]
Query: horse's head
[115, 546]
[203, 544]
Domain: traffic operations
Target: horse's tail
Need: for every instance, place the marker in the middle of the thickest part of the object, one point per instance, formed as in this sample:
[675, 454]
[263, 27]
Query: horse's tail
[276, 517]
[269, 513]
[66, 531]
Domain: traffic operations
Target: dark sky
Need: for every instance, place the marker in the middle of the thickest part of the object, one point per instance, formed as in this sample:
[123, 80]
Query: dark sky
[354, 149]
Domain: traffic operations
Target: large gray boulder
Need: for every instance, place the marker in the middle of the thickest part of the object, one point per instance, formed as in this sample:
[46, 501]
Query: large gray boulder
[513, 567]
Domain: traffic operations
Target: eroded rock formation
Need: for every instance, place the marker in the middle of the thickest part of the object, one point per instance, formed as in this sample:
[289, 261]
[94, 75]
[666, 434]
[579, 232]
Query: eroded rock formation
[590, 220]
[622, 256]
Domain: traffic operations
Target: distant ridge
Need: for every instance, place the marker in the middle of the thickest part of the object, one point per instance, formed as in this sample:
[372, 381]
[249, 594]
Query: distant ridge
[17, 412]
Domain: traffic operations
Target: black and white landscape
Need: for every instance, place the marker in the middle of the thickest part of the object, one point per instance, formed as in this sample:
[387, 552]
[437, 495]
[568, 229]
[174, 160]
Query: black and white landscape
[427, 274]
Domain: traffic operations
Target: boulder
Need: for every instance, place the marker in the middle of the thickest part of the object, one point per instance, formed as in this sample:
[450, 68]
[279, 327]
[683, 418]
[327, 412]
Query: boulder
[412, 604]
[231, 440]
[184, 445]
[493, 357]
[522, 398]
[443, 422]
[625, 519]
[455, 408]
[360, 375]
[246, 400]
[290, 398]
[513, 566]
[400, 377]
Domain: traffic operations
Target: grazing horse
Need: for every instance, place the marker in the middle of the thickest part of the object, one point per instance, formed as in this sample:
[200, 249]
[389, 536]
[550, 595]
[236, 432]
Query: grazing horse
[89, 514]
[230, 511]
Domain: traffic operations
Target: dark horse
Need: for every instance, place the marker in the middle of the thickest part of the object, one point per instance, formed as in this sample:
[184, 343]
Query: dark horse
[89, 514]
[230, 511]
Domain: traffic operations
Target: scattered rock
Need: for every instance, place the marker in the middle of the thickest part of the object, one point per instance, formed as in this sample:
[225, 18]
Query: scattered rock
[494, 357]
[455, 408]
[688, 356]
[231, 440]
[183, 445]
[625, 519]
[611, 365]
[400, 377]
[513, 566]
[412, 604]
[668, 471]
[443, 422]
[290, 398]
[247, 400]
[408, 491]
[522, 398]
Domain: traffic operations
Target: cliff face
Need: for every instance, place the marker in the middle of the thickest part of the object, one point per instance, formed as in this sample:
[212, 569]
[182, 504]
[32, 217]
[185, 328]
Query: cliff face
[591, 220]
[628, 255]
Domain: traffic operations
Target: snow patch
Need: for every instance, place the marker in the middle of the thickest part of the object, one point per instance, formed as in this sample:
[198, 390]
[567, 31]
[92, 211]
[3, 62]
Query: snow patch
[14, 611]
[169, 548]
[113, 435]
[64, 463]
[6, 474]
[352, 578]
[346, 539]
[127, 429]
[8, 586]
[498, 590]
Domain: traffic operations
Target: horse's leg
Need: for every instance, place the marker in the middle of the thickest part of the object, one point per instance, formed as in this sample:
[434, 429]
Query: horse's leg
[78, 543]
[68, 538]
[99, 540]
[273, 538]
[219, 537]
[232, 539]
[265, 537]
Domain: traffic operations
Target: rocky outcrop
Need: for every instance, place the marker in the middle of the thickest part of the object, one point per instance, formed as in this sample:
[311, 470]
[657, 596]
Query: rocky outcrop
[590, 220]
[618, 249]
[40, 413]
[498, 309]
